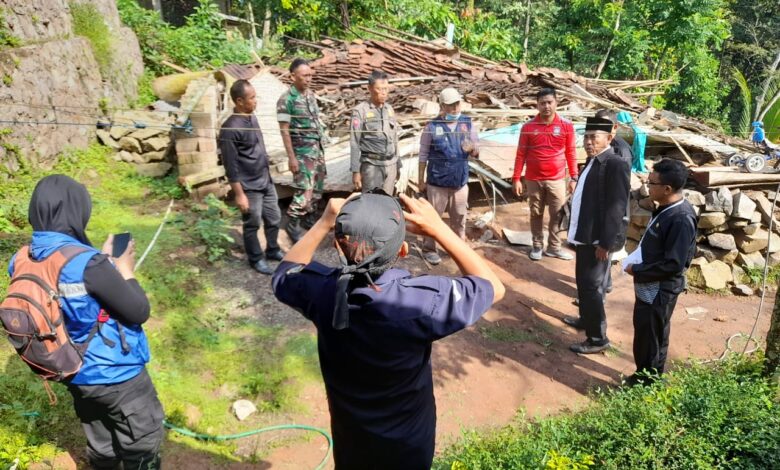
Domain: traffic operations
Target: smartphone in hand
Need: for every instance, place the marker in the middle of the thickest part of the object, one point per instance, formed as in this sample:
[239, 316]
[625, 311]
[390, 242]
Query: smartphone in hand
[121, 240]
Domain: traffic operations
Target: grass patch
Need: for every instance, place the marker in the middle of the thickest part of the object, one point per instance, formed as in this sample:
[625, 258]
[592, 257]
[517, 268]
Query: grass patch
[89, 23]
[726, 416]
[754, 276]
[7, 39]
[203, 357]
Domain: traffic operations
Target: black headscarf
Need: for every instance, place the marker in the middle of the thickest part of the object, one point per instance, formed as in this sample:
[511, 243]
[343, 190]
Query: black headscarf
[370, 230]
[60, 204]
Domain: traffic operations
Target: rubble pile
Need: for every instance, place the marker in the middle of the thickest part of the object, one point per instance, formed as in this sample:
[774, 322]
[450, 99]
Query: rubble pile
[142, 138]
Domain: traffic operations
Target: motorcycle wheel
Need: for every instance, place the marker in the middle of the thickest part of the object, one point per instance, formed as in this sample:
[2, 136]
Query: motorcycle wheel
[755, 163]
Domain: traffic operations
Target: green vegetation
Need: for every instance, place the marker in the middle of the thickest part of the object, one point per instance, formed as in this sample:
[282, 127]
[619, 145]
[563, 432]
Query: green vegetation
[212, 229]
[89, 23]
[146, 95]
[201, 43]
[6, 38]
[203, 355]
[726, 416]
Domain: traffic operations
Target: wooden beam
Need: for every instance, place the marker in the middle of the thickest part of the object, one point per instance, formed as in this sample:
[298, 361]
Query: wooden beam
[202, 177]
[682, 150]
[175, 67]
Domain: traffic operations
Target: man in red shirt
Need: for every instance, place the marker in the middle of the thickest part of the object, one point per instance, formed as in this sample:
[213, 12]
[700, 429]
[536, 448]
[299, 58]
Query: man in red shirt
[545, 149]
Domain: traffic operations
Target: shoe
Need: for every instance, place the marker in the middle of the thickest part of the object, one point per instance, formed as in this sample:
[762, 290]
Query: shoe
[432, 258]
[294, 230]
[535, 254]
[586, 347]
[263, 268]
[275, 255]
[642, 379]
[574, 322]
[560, 254]
[576, 301]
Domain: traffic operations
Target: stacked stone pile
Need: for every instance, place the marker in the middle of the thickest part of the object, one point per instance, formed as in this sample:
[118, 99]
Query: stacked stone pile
[733, 233]
[141, 138]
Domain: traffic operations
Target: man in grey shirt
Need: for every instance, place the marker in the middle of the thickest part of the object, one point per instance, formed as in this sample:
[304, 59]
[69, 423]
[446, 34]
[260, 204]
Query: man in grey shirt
[374, 139]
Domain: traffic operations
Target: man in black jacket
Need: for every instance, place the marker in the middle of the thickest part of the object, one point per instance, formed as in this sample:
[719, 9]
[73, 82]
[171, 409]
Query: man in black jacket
[246, 165]
[658, 266]
[597, 228]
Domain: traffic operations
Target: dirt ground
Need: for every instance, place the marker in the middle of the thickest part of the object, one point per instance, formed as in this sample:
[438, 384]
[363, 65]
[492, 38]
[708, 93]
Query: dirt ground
[516, 357]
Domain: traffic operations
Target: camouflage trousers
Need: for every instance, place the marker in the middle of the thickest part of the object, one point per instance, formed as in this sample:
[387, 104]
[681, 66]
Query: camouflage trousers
[308, 183]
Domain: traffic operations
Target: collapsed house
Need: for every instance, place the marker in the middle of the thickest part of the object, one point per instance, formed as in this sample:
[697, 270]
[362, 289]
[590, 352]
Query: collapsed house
[499, 96]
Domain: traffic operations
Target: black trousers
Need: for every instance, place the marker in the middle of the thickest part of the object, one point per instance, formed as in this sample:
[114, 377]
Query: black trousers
[652, 324]
[122, 422]
[591, 274]
[263, 206]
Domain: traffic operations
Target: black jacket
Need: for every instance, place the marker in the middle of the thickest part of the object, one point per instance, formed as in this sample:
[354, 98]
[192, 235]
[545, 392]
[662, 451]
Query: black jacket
[668, 247]
[603, 215]
[623, 150]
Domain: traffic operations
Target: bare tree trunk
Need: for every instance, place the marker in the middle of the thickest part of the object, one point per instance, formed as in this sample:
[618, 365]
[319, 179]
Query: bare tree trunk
[611, 42]
[267, 26]
[344, 7]
[769, 106]
[765, 87]
[157, 6]
[527, 29]
[772, 364]
[658, 70]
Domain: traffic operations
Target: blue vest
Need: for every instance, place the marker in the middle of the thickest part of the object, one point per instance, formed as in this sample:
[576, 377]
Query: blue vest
[448, 164]
[102, 364]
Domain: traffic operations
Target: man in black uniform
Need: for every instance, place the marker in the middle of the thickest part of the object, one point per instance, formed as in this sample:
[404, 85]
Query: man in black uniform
[658, 266]
[246, 166]
[376, 325]
[597, 228]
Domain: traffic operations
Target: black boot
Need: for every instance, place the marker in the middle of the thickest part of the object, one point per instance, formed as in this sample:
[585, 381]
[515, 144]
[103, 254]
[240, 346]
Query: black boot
[309, 221]
[294, 230]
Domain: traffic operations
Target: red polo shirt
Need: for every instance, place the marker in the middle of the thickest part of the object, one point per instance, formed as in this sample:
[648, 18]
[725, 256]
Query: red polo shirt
[546, 149]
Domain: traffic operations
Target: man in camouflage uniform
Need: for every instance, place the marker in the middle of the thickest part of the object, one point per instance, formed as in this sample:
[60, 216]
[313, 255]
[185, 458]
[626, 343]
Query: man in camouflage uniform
[298, 116]
[374, 139]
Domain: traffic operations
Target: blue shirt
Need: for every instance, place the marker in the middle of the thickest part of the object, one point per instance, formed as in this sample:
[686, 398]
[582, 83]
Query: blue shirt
[377, 372]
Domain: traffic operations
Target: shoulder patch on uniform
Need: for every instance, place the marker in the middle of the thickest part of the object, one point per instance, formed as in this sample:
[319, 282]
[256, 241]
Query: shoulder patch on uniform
[390, 112]
[356, 123]
[295, 269]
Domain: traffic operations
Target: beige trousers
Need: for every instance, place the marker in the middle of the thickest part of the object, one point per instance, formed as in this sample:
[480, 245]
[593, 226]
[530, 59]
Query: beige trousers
[455, 202]
[552, 194]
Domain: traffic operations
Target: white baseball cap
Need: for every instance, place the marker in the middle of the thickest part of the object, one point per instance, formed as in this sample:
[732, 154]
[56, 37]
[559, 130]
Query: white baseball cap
[449, 96]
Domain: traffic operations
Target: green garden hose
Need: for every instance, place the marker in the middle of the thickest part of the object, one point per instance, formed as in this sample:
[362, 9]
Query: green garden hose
[227, 437]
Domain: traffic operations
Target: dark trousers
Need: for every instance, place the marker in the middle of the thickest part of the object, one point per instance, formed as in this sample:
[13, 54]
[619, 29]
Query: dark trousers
[652, 323]
[353, 450]
[123, 423]
[263, 206]
[591, 273]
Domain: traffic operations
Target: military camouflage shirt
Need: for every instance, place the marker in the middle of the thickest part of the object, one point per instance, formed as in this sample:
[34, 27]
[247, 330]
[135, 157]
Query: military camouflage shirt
[374, 136]
[302, 112]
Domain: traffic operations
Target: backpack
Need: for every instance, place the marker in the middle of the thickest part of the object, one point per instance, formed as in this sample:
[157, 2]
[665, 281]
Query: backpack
[32, 317]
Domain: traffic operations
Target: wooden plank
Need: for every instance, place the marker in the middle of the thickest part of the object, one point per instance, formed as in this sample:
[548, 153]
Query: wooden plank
[196, 157]
[211, 174]
[724, 176]
[196, 168]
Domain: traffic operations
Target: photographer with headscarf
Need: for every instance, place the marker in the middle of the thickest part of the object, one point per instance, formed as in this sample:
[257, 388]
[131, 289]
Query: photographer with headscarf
[103, 307]
[375, 334]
